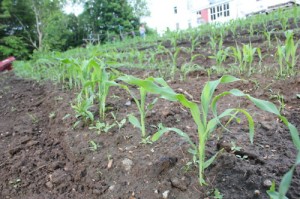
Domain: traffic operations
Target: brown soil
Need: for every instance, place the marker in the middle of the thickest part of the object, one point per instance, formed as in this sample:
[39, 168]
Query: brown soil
[42, 156]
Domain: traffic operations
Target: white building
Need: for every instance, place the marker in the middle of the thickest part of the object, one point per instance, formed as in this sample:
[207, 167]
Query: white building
[183, 14]
[171, 14]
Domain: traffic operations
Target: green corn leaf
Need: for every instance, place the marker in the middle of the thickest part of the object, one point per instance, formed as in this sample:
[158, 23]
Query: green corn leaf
[159, 133]
[208, 162]
[134, 121]
[196, 114]
[250, 123]
[294, 134]
[192, 151]
[212, 124]
[285, 182]
[76, 124]
[228, 79]
[209, 90]
[150, 86]
[150, 106]
[90, 115]
[275, 195]
[265, 105]
[298, 158]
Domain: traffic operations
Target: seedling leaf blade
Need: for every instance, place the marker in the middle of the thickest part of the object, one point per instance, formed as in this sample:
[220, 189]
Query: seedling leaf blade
[159, 133]
[285, 182]
[208, 162]
[134, 121]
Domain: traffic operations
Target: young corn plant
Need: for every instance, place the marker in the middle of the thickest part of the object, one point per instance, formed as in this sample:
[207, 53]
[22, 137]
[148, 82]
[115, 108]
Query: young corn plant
[287, 178]
[280, 54]
[102, 78]
[205, 125]
[290, 52]
[248, 57]
[174, 57]
[141, 103]
[82, 110]
[213, 44]
[102, 127]
[194, 43]
[220, 56]
[186, 68]
[287, 55]
[237, 54]
[268, 35]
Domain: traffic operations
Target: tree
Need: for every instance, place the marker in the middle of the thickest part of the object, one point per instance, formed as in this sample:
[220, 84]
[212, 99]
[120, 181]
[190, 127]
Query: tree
[39, 24]
[12, 40]
[109, 16]
[140, 8]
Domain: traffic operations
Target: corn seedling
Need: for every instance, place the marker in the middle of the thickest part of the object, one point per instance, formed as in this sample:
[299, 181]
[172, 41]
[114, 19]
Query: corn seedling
[237, 55]
[220, 56]
[82, 111]
[173, 56]
[15, 183]
[290, 51]
[217, 194]
[121, 123]
[205, 126]
[287, 55]
[93, 145]
[251, 30]
[194, 43]
[286, 180]
[268, 35]
[248, 57]
[102, 127]
[284, 23]
[141, 104]
[52, 115]
[213, 44]
[234, 147]
[280, 100]
[33, 118]
[280, 54]
[187, 68]
[100, 82]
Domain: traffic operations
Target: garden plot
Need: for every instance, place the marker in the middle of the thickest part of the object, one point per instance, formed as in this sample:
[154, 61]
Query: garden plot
[161, 120]
[42, 156]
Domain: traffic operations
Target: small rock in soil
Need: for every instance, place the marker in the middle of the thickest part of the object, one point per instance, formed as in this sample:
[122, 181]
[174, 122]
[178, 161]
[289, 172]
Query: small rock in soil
[179, 183]
[256, 192]
[127, 163]
[32, 143]
[15, 150]
[100, 188]
[166, 194]
[81, 172]
[266, 125]
[267, 183]
[110, 162]
[57, 165]
[112, 187]
[59, 176]
[49, 185]
[164, 164]
[128, 103]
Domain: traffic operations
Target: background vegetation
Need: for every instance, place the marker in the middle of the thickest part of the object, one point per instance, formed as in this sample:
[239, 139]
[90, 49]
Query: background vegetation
[42, 25]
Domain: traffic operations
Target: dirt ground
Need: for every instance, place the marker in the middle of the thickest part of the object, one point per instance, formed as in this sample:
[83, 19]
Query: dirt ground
[42, 156]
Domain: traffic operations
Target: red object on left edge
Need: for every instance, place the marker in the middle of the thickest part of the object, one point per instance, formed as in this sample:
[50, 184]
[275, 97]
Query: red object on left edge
[7, 64]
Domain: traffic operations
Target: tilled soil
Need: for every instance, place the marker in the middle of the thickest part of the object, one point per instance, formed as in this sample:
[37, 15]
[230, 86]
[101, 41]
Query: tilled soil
[42, 156]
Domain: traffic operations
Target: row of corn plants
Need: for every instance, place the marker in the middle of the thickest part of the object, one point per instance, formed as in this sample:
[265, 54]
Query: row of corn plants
[93, 79]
